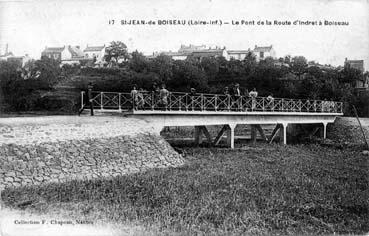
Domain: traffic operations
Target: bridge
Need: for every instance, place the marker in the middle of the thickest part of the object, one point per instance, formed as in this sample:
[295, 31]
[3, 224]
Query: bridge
[201, 110]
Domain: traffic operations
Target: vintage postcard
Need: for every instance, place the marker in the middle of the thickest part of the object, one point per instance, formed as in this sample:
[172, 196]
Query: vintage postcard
[172, 117]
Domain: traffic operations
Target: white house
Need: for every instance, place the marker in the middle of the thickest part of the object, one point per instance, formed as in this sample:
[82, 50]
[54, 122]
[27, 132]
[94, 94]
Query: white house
[238, 54]
[65, 55]
[263, 52]
[72, 55]
[98, 52]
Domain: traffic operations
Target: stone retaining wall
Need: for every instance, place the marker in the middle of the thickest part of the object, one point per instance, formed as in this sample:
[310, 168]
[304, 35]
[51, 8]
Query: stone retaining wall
[58, 149]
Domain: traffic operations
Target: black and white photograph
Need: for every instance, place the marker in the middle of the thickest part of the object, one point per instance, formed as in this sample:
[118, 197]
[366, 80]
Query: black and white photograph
[173, 117]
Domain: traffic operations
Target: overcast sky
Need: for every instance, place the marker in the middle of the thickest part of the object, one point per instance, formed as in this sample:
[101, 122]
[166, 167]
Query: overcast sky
[28, 26]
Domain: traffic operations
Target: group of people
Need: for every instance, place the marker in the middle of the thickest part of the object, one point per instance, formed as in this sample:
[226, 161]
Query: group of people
[236, 92]
[161, 95]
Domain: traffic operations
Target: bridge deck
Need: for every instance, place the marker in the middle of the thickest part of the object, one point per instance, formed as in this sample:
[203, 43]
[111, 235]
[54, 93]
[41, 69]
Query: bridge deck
[187, 103]
[183, 109]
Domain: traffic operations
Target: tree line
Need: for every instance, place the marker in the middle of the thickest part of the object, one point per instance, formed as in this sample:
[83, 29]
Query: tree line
[289, 77]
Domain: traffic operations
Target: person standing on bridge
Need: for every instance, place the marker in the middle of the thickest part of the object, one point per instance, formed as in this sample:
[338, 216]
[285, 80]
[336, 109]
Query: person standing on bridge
[236, 95]
[270, 100]
[226, 91]
[253, 94]
[134, 97]
[140, 99]
[154, 95]
[164, 93]
[225, 105]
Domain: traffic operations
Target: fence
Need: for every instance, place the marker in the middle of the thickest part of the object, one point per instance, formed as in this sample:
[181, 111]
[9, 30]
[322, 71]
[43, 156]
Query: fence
[177, 101]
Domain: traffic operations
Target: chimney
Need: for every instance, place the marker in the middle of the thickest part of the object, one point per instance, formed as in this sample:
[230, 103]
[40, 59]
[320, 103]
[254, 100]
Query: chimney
[6, 49]
[256, 46]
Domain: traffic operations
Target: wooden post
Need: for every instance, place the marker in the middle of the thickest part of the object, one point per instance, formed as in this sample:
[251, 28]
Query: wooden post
[206, 133]
[361, 127]
[89, 97]
[253, 134]
[261, 132]
[220, 135]
[198, 138]
[119, 102]
[275, 132]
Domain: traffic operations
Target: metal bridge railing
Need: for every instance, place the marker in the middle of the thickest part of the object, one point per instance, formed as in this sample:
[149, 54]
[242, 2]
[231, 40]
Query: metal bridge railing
[177, 101]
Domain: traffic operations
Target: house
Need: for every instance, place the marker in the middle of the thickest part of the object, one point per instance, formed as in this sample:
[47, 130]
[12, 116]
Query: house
[95, 52]
[173, 55]
[21, 61]
[216, 52]
[64, 55]
[72, 55]
[263, 52]
[53, 53]
[6, 54]
[202, 51]
[238, 54]
[359, 65]
[197, 52]
[191, 48]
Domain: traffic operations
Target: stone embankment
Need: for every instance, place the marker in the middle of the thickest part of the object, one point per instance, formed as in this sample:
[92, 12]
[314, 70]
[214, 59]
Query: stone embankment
[37, 150]
[346, 130]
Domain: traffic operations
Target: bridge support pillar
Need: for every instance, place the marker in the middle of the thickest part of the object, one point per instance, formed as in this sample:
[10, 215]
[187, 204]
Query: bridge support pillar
[230, 135]
[283, 133]
[157, 129]
[324, 130]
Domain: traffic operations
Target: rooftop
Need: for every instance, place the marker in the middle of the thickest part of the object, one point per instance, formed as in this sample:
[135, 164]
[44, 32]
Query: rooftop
[237, 51]
[53, 49]
[75, 51]
[94, 48]
[263, 49]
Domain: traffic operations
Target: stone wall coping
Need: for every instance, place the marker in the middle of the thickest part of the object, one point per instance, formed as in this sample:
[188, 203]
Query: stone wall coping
[32, 130]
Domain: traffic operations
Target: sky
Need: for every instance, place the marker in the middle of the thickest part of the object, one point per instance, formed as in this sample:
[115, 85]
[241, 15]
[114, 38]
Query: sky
[28, 26]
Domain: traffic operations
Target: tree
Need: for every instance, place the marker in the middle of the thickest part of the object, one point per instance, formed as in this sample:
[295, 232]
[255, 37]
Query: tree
[115, 51]
[162, 65]
[350, 75]
[210, 66]
[46, 71]
[249, 63]
[187, 74]
[298, 65]
[138, 62]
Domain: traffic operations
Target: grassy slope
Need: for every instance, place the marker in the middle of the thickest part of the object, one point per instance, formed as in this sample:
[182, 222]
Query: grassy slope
[265, 189]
